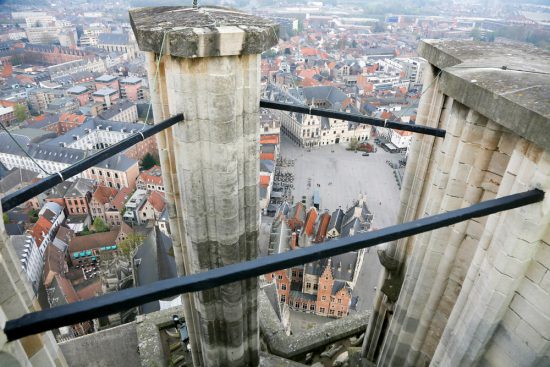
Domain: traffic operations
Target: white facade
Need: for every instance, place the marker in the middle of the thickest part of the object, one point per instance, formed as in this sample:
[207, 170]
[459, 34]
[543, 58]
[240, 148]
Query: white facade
[401, 139]
[311, 133]
[31, 260]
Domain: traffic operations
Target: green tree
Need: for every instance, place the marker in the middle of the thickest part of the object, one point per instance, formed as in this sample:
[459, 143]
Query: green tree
[100, 225]
[149, 161]
[131, 243]
[6, 218]
[20, 113]
[353, 144]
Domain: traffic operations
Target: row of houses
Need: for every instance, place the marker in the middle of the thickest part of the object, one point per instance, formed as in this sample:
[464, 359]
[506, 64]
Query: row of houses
[324, 287]
[314, 131]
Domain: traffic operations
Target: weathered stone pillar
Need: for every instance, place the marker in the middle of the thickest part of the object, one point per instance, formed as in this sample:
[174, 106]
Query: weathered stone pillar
[211, 73]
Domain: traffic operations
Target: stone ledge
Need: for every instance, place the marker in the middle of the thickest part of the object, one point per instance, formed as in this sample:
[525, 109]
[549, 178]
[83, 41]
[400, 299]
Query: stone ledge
[294, 346]
[509, 85]
[202, 32]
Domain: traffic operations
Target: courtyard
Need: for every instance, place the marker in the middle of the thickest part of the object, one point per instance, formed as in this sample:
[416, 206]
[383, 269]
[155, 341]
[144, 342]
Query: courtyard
[341, 176]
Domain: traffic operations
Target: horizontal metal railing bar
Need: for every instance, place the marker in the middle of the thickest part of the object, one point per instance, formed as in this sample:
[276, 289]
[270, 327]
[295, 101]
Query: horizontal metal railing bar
[421, 129]
[19, 197]
[73, 313]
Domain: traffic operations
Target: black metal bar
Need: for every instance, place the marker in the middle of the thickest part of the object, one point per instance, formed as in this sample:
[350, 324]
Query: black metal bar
[19, 197]
[70, 314]
[421, 129]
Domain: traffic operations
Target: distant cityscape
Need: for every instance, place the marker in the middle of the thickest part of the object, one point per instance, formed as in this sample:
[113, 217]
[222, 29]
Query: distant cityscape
[73, 82]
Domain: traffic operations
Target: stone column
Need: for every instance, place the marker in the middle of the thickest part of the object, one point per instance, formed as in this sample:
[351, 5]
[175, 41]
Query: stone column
[211, 73]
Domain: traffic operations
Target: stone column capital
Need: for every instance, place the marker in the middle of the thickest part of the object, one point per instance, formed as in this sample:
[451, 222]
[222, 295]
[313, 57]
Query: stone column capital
[202, 32]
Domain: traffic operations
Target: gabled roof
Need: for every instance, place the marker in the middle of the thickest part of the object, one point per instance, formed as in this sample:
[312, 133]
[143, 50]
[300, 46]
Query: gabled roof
[157, 201]
[310, 221]
[40, 229]
[322, 227]
[104, 194]
[54, 263]
[63, 292]
[267, 166]
[94, 241]
[15, 177]
[72, 117]
[80, 188]
[113, 39]
[352, 227]
[336, 220]
[153, 176]
[338, 286]
[120, 198]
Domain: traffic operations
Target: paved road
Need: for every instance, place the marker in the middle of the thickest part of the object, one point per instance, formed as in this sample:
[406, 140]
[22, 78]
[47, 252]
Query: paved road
[351, 174]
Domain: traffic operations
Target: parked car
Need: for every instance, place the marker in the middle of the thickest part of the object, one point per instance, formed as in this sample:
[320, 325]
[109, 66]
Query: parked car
[365, 154]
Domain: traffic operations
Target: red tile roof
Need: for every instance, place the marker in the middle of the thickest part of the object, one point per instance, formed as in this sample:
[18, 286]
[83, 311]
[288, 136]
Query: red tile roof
[104, 194]
[54, 263]
[120, 198]
[269, 139]
[91, 290]
[323, 225]
[157, 201]
[264, 180]
[67, 289]
[152, 176]
[267, 156]
[94, 241]
[71, 117]
[310, 221]
[40, 229]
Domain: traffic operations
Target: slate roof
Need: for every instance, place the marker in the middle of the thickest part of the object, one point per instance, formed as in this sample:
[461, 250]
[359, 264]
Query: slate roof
[116, 109]
[34, 135]
[342, 266]
[105, 78]
[118, 162]
[337, 286]
[267, 166]
[336, 220]
[15, 177]
[104, 92]
[301, 295]
[40, 151]
[14, 229]
[354, 224]
[18, 243]
[131, 80]
[77, 89]
[270, 290]
[112, 39]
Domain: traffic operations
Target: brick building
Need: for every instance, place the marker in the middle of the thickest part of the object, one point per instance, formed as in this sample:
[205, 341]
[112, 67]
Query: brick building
[150, 180]
[101, 201]
[324, 287]
[131, 89]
